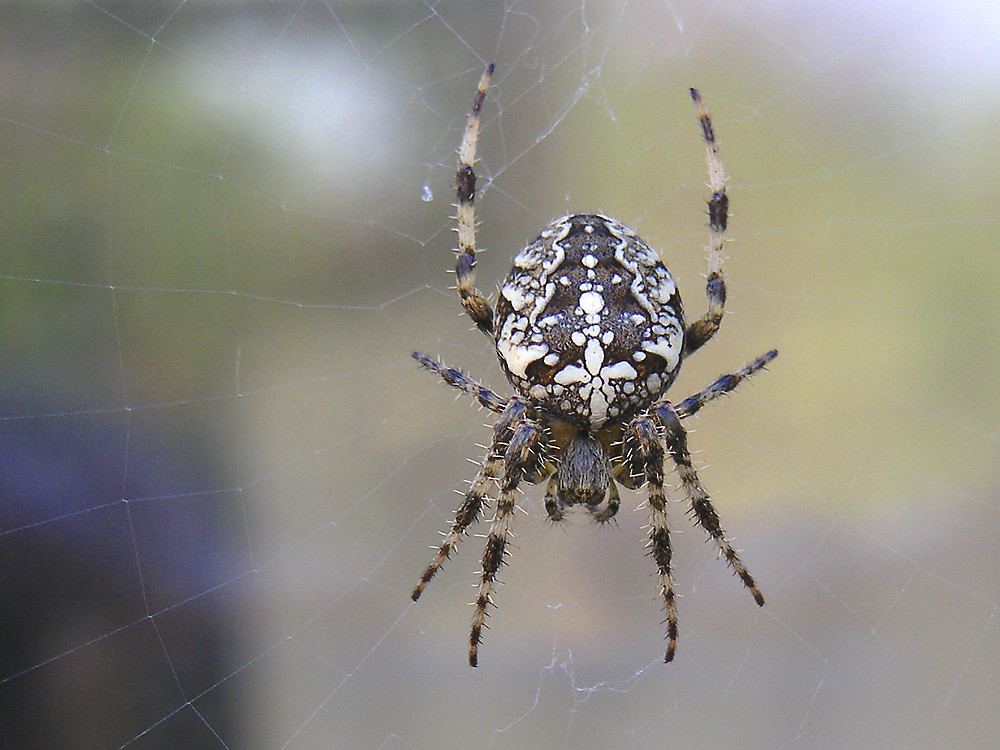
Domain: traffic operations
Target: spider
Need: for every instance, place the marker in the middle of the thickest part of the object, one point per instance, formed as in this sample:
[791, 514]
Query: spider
[589, 330]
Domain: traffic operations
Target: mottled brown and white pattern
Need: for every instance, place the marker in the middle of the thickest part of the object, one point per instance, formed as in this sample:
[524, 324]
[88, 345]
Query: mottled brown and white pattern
[589, 330]
[589, 323]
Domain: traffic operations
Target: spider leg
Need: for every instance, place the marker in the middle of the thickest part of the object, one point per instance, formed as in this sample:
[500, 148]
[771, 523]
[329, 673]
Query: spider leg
[644, 441]
[701, 504]
[699, 332]
[522, 452]
[473, 301]
[723, 385]
[468, 512]
[458, 379]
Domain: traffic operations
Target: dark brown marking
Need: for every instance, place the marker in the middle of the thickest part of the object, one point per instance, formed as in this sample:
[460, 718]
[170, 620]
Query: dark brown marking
[466, 187]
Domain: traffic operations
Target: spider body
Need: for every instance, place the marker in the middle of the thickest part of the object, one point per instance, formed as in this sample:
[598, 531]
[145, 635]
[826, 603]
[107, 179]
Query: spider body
[589, 330]
[588, 323]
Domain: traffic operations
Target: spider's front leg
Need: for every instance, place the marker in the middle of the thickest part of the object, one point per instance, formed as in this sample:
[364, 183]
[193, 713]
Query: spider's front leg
[522, 457]
[644, 459]
[701, 504]
[468, 512]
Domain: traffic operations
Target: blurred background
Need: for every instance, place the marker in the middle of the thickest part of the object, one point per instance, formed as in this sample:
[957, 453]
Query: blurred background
[224, 227]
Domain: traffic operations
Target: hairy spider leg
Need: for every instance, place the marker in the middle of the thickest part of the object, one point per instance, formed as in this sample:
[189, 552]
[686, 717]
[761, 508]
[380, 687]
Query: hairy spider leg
[478, 495]
[473, 301]
[701, 504]
[699, 332]
[522, 452]
[723, 385]
[463, 382]
[466, 515]
[643, 440]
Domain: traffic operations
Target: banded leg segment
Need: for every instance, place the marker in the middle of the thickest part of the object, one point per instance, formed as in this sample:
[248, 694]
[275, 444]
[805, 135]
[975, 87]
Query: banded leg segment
[699, 332]
[458, 379]
[473, 301]
[701, 504]
[521, 455]
[466, 515]
[722, 386]
[644, 441]
[478, 495]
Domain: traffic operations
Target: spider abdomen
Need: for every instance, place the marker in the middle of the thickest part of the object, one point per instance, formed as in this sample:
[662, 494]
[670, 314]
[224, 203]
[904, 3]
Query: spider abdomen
[589, 324]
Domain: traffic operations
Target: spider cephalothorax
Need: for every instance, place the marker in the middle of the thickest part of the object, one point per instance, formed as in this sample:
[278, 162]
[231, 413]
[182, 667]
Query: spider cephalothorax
[590, 331]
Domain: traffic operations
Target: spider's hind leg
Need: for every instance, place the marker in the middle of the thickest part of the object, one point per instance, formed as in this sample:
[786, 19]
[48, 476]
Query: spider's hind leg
[473, 301]
[703, 329]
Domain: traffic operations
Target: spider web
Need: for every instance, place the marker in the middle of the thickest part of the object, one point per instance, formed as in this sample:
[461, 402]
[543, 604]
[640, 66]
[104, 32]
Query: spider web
[225, 227]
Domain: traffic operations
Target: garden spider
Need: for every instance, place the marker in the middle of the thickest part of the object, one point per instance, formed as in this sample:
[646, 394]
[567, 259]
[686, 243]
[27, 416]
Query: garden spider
[590, 331]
